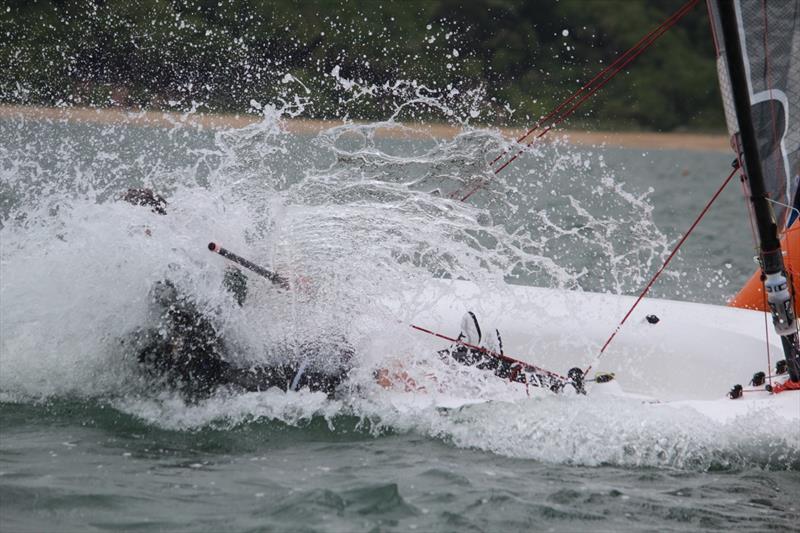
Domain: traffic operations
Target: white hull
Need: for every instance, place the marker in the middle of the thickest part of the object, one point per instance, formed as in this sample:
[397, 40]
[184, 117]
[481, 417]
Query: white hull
[690, 358]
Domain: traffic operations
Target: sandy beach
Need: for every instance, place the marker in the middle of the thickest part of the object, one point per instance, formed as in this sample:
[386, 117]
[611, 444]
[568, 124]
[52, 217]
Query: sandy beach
[640, 140]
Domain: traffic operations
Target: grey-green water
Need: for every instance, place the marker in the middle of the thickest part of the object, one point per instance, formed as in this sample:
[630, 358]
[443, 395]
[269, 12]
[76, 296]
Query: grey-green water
[72, 466]
[83, 446]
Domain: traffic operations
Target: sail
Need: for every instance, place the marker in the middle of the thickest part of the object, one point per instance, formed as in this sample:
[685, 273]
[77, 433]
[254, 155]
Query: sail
[769, 33]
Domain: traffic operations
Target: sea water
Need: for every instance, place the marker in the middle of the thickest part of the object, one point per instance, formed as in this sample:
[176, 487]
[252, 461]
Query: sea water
[357, 217]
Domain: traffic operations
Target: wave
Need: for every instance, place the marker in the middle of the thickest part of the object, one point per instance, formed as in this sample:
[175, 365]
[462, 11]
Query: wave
[555, 430]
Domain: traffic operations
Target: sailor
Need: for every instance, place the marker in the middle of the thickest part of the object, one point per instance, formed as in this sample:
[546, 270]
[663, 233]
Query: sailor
[184, 350]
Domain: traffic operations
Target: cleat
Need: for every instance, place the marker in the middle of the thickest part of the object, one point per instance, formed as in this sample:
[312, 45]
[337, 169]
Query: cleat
[736, 392]
[652, 319]
[603, 377]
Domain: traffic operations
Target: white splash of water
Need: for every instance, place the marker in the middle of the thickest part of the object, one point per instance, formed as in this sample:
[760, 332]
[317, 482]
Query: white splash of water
[366, 212]
[500, 418]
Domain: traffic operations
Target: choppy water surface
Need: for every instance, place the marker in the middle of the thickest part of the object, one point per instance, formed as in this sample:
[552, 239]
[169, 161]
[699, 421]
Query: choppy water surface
[86, 442]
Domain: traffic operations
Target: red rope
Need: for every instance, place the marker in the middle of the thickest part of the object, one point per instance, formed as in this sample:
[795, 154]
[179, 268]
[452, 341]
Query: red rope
[595, 84]
[766, 337]
[664, 266]
[599, 75]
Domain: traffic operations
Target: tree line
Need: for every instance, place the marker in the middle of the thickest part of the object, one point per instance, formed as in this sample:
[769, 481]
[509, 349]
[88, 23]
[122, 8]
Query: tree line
[504, 62]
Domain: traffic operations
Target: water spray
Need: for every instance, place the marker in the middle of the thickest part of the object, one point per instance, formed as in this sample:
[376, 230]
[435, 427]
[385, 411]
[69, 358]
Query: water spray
[575, 378]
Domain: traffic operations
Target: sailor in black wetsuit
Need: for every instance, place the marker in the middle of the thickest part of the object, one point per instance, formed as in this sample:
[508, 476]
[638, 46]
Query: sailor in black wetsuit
[183, 349]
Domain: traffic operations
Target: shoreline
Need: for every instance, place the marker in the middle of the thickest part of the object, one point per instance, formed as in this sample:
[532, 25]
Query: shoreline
[627, 139]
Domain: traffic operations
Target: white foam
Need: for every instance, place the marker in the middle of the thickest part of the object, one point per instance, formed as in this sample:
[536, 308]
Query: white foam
[349, 211]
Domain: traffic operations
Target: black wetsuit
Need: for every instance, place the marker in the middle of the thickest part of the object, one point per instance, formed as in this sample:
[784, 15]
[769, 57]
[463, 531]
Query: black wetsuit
[185, 351]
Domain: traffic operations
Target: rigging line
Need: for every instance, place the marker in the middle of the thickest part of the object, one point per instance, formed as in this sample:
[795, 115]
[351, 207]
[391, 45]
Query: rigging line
[787, 206]
[766, 337]
[664, 266]
[605, 76]
[610, 67]
[556, 122]
[750, 217]
[661, 30]
[572, 109]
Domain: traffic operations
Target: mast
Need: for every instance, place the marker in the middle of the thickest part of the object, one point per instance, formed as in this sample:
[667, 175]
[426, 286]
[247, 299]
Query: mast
[774, 273]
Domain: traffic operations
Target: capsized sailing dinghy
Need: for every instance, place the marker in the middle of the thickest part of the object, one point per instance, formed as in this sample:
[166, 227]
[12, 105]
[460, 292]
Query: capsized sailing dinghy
[672, 352]
[676, 353]
[690, 354]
